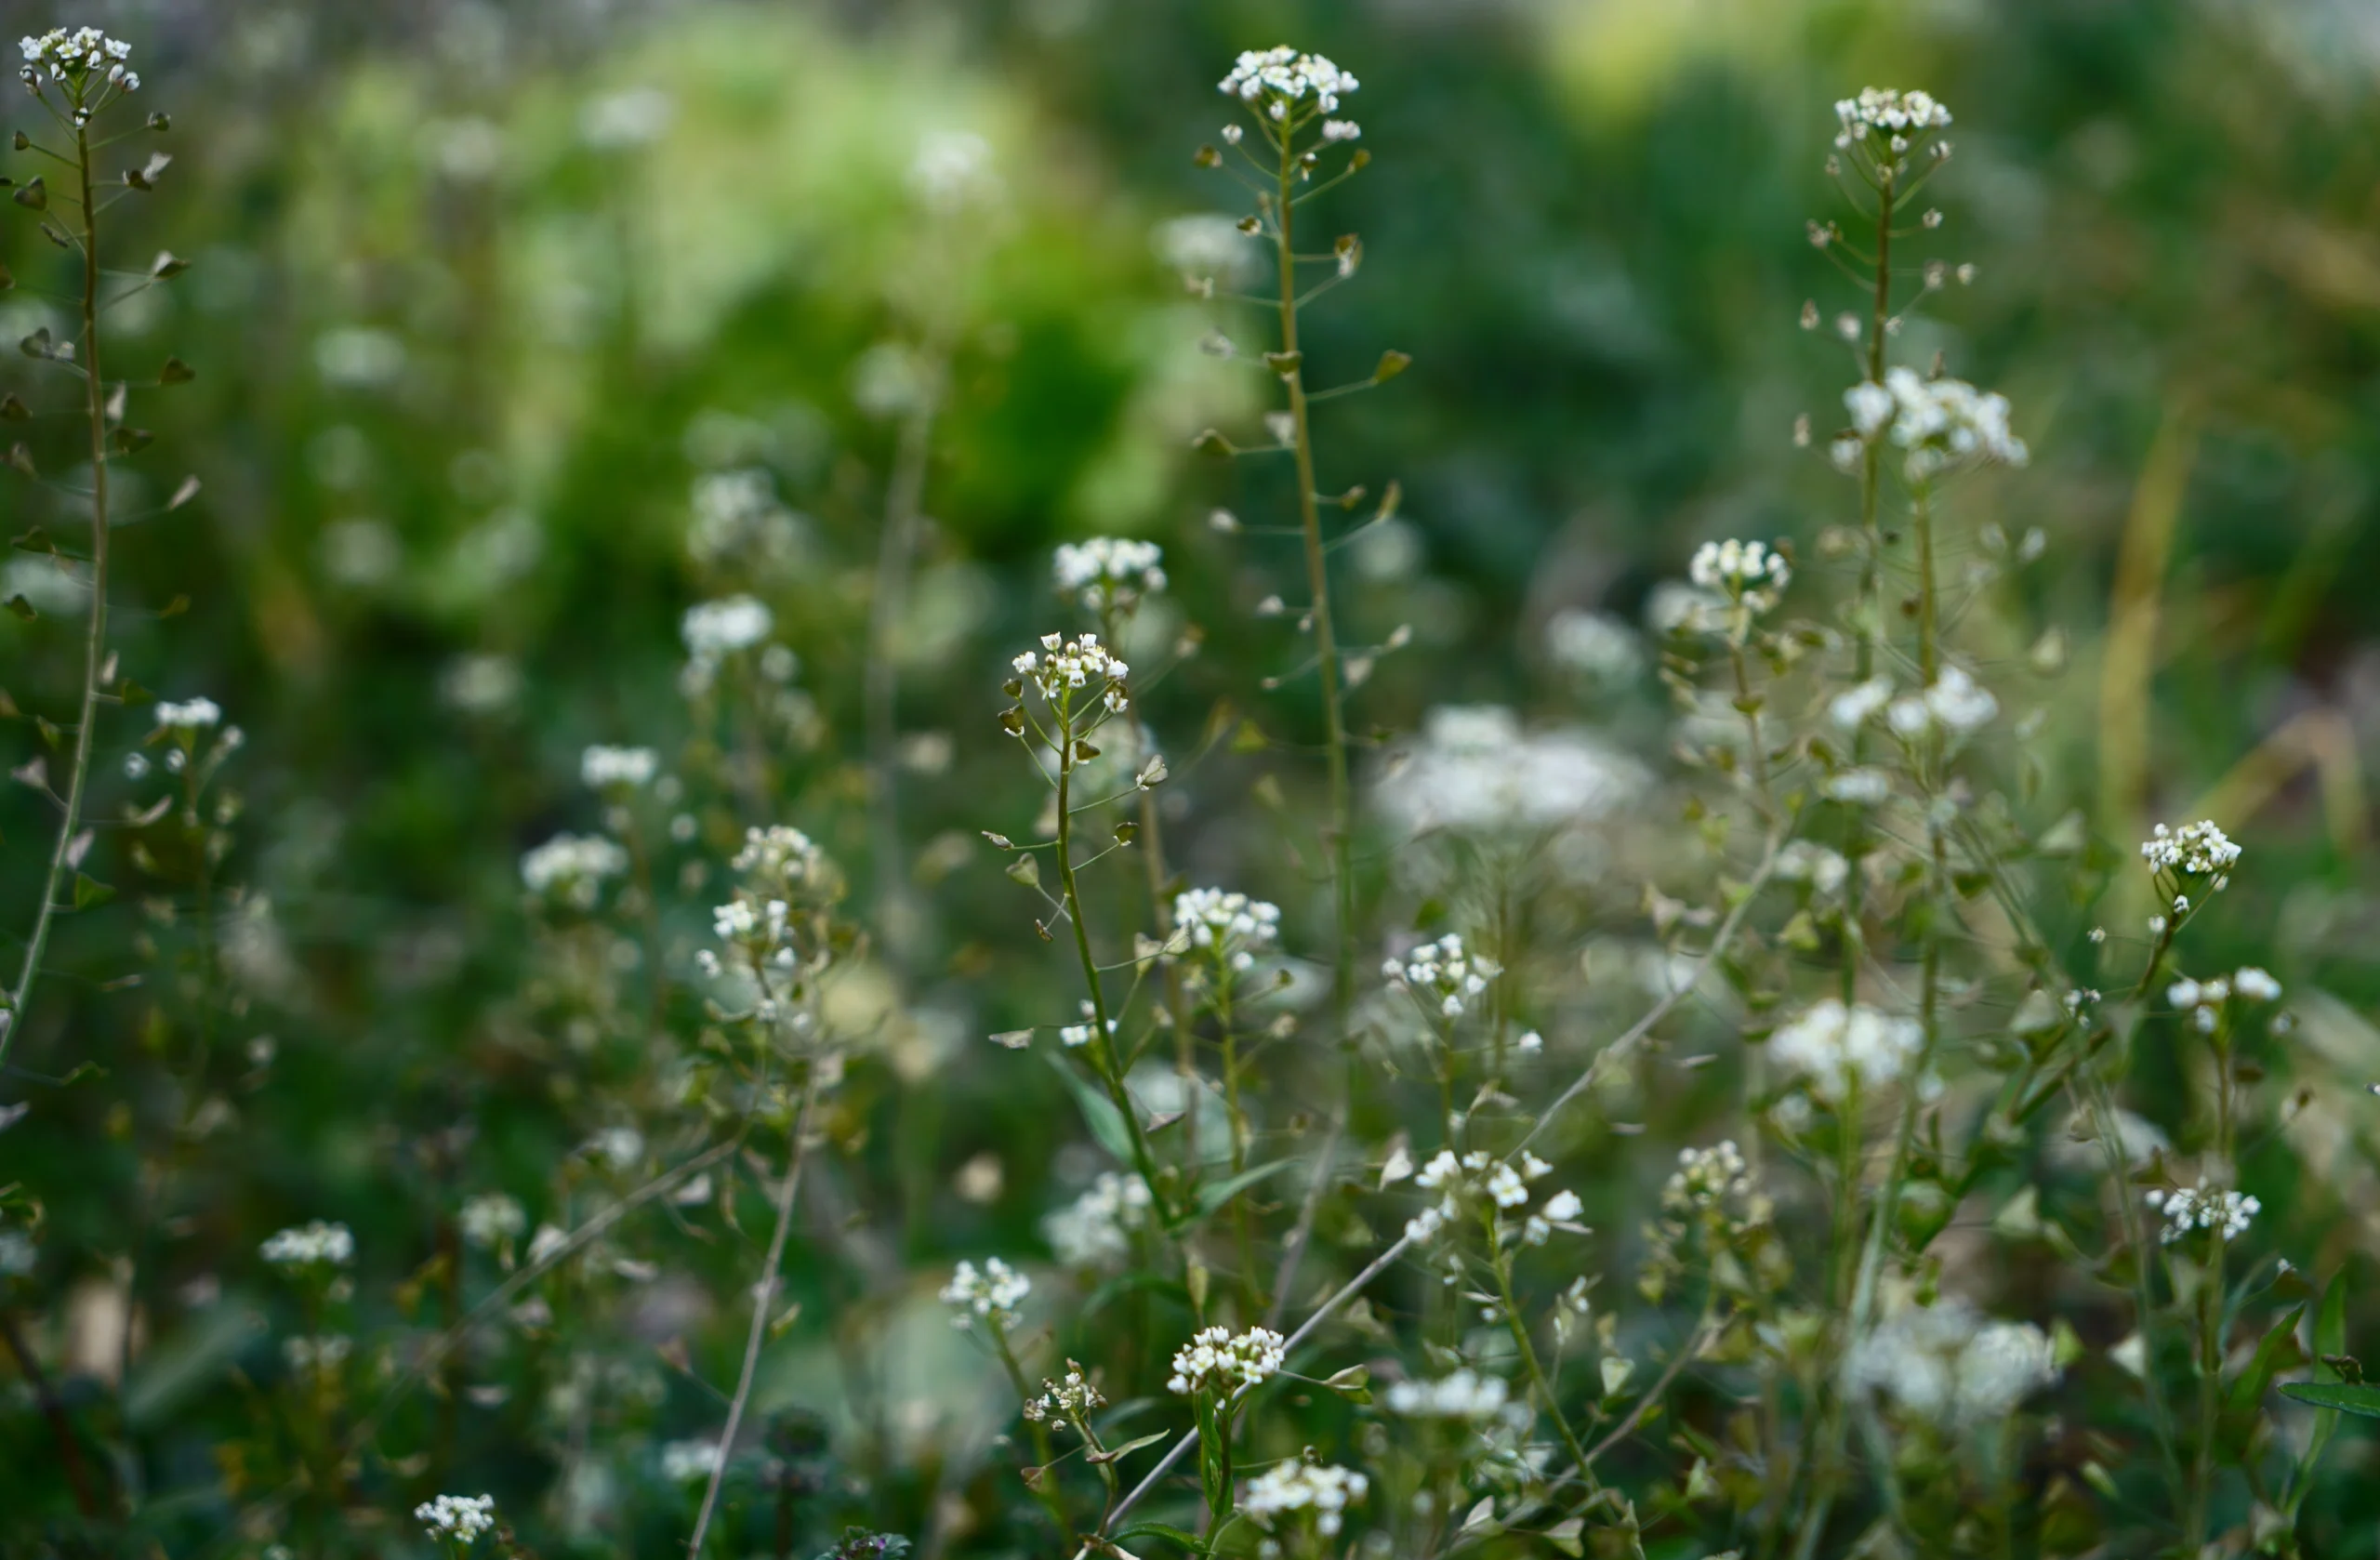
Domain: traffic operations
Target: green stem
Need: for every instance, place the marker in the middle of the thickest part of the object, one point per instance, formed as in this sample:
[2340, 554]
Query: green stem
[95, 636]
[1102, 1049]
[1501, 1262]
[1317, 574]
[1044, 1479]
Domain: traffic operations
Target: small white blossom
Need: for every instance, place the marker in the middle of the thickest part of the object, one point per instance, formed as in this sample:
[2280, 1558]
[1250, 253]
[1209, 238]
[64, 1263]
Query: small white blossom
[1947, 1364]
[1231, 927]
[1096, 1229]
[460, 1517]
[1880, 113]
[1956, 704]
[315, 1245]
[1064, 666]
[1216, 1361]
[714, 630]
[572, 867]
[1069, 1401]
[992, 1294]
[686, 1462]
[1942, 423]
[1442, 976]
[1864, 788]
[1705, 1177]
[2256, 985]
[1108, 573]
[1465, 1394]
[601, 767]
[190, 716]
[952, 171]
[491, 1219]
[2203, 1208]
[1476, 772]
[1279, 79]
[1751, 573]
[1845, 1049]
[1326, 1490]
[78, 59]
[2198, 849]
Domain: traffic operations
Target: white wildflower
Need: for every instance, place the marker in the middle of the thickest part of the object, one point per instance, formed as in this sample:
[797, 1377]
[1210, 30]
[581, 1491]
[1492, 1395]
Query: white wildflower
[2203, 1208]
[1064, 666]
[713, 631]
[1595, 645]
[1230, 927]
[1751, 573]
[1947, 1364]
[572, 867]
[1842, 1050]
[1880, 113]
[315, 1245]
[1476, 772]
[1705, 1177]
[1096, 1229]
[1216, 1361]
[1465, 1394]
[991, 1294]
[1108, 573]
[686, 1462]
[1326, 1490]
[1443, 976]
[492, 1219]
[601, 767]
[2198, 849]
[952, 171]
[1282, 80]
[190, 716]
[457, 1517]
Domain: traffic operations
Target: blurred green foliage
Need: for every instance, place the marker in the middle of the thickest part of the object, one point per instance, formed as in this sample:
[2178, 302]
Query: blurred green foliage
[463, 354]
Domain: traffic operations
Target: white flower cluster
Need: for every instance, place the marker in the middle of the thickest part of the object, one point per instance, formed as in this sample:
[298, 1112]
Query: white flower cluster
[993, 1295]
[1096, 1229]
[1215, 1361]
[1705, 1177]
[1879, 111]
[1075, 1036]
[1442, 975]
[322, 1355]
[737, 517]
[1594, 644]
[685, 1461]
[74, 58]
[1480, 1176]
[573, 868]
[781, 855]
[315, 1245]
[1752, 573]
[1955, 704]
[714, 630]
[1071, 1400]
[1945, 1364]
[1325, 1490]
[2198, 849]
[460, 1517]
[1806, 861]
[190, 714]
[1228, 925]
[1845, 1049]
[1476, 773]
[2203, 999]
[601, 768]
[1940, 422]
[1282, 78]
[491, 1219]
[1108, 573]
[1071, 663]
[952, 170]
[1465, 1394]
[2202, 1207]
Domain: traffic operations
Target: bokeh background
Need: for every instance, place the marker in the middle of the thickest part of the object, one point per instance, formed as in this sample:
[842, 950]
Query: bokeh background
[479, 293]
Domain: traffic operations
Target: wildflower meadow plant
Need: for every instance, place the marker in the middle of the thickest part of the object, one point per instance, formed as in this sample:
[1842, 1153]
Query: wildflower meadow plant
[1561, 1131]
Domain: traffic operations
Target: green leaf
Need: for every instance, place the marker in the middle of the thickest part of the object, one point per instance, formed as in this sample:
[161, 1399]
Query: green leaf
[2278, 1349]
[1099, 1113]
[89, 891]
[2361, 1399]
[1114, 1454]
[1160, 1531]
[1214, 1196]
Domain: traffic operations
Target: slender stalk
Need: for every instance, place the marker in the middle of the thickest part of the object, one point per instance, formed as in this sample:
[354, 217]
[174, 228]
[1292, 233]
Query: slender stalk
[904, 496]
[1869, 610]
[1043, 1482]
[1501, 1261]
[1318, 575]
[53, 1409]
[1103, 1040]
[95, 633]
[763, 1303]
